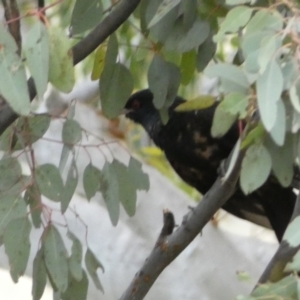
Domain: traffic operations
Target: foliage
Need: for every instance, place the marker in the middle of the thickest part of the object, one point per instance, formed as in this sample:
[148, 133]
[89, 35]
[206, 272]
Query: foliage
[174, 41]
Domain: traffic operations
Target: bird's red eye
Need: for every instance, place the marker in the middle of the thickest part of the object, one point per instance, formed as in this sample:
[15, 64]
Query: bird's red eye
[136, 104]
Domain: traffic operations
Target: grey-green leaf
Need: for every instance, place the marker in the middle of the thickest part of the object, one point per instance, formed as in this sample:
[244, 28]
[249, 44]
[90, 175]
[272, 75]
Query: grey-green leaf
[183, 41]
[91, 180]
[292, 233]
[39, 275]
[256, 167]
[92, 264]
[10, 209]
[33, 198]
[235, 19]
[233, 78]
[17, 246]
[61, 69]
[56, 257]
[10, 172]
[70, 186]
[116, 85]
[85, 15]
[71, 132]
[222, 121]
[36, 49]
[75, 258]
[163, 9]
[269, 93]
[77, 290]
[13, 81]
[282, 159]
[49, 181]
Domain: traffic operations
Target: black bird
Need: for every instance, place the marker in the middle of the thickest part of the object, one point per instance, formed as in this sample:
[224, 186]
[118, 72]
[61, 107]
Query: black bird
[196, 156]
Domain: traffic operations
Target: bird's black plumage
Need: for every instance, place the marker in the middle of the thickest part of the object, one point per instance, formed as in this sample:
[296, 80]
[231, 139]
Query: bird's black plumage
[195, 155]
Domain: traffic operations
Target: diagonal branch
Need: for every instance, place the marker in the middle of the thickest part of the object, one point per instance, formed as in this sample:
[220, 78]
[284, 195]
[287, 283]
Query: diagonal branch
[81, 50]
[168, 247]
[284, 254]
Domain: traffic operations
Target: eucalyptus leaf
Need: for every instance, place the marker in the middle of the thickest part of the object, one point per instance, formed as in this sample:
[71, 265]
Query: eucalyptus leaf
[39, 275]
[85, 15]
[17, 246]
[49, 181]
[269, 93]
[92, 264]
[56, 257]
[256, 167]
[36, 49]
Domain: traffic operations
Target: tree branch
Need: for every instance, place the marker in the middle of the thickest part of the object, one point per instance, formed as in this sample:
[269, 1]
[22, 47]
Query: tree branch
[81, 50]
[285, 253]
[168, 247]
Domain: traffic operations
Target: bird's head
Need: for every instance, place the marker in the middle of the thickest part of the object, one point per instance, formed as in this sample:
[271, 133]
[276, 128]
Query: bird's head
[139, 106]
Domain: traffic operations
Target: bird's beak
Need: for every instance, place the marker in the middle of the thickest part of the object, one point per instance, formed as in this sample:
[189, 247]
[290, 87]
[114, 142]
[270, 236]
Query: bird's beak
[125, 111]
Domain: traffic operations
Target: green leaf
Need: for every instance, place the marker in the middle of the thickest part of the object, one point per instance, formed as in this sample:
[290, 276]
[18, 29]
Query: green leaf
[265, 20]
[251, 45]
[183, 41]
[222, 121]
[256, 167]
[33, 198]
[49, 181]
[236, 103]
[201, 102]
[269, 93]
[85, 15]
[163, 9]
[235, 19]
[10, 209]
[77, 290]
[99, 60]
[256, 135]
[136, 175]
[232, 77]
[206, 52]
[39, 275]
[27, 131]
[187, 66]
[13, 81]
[111, 53]
[10, 173]
[71, 132]
[282, 159]
[158, 79]
[61, 70]
[119, 184]
[56, 257]
[65, 152]
[17, 246]
[36, 49]
[292, 233]
[163, 80]
[268, 47]
[278, 131]
[91, 180]
[70, 186]
[116, 85]
[75, 258]
[167, 22]
[92, 264]
[110, 189]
